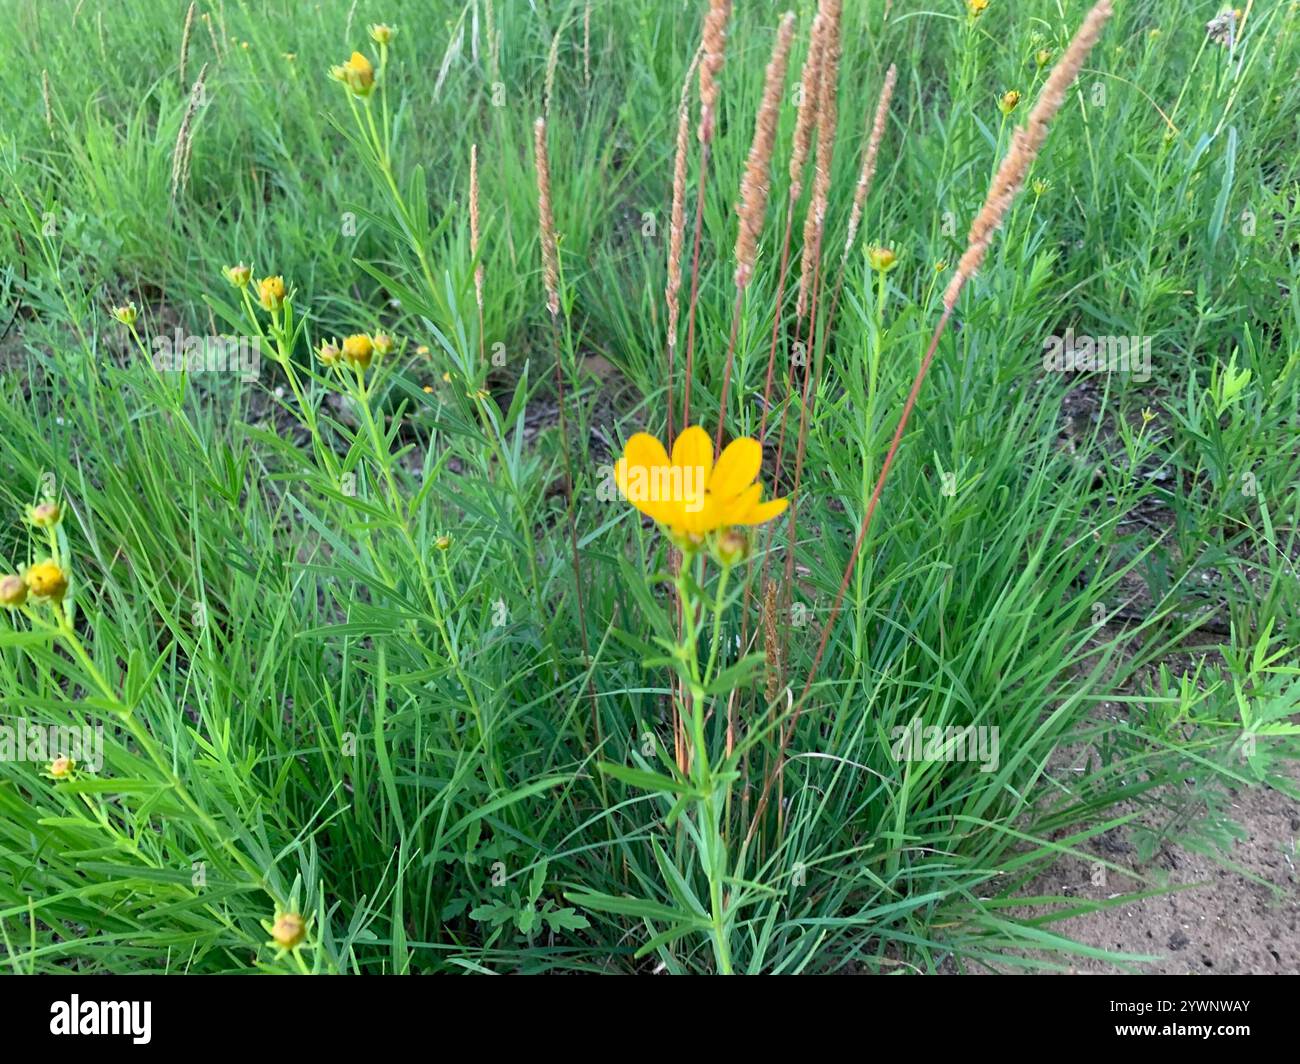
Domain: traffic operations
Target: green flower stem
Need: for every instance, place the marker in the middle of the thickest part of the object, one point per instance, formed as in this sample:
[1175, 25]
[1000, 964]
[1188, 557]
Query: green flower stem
[711, 844]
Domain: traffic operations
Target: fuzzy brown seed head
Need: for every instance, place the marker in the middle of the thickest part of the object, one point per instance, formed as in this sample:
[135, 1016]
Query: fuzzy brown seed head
[755, 183]
[1026, 143]
[714, 45]
[546, 219]
[809, 91]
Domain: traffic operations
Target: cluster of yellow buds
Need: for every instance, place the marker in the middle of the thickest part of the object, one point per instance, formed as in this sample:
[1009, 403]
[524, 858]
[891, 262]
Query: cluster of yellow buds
[357, 350]
[47, 580]
[358, 74]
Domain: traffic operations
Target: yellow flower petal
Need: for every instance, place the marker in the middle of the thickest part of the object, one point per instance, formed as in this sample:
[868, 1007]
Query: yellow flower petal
[737, 467]
[640, 472]
[694, 451]
[762, 512]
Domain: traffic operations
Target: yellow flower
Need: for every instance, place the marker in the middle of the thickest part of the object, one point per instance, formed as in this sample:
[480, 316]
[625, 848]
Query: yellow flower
[270, 292]
[46, 580]
[13, 592]
[358, 350]
[381, 33]
[61, 768]
[239, 275]
[44, 515]
[1009, 102]
[288, 930]
[358, 74]
[127, 314]
[691, 495]
[975, 8]
[442, 542]
[881, 259]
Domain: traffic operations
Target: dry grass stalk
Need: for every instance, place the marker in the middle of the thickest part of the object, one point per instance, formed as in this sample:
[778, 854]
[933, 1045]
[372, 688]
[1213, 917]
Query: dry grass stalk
[809, 93]
[869, 159]
[550, 252]
[552, 63]
[45, 97]
[677, 227]
[714, 44]
[586, 44]
[185, 136]
[212, 33]
[1025, 145]
[185, 41]
[756, 182]
[473, 225]
[827, 117]
[1007, 181]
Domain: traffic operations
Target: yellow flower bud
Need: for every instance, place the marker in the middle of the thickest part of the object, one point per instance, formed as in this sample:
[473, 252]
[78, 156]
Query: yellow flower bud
[381, 34]
[731, 547]
[881, 259]
[329, 353]
[1042, 57]
[13, 592]
[288, 930]
[1009, 102]
[45, 515]
[383, 344]
[442, 542]
[358, 74]
[975, 8]
[239, 275]
[61, 767]
[358, 349]
[127, 314]
[46, 580]
[270, 292]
